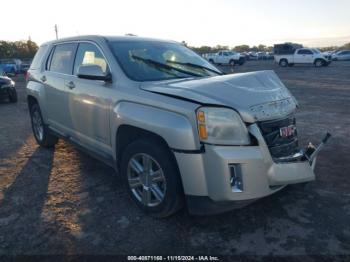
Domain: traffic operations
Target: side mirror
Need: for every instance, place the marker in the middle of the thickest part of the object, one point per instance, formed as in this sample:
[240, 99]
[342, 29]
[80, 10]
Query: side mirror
[93, 72]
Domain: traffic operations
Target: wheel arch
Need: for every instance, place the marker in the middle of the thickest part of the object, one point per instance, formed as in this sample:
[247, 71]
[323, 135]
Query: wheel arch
[320, 59]
[31, 100]
[126, 134]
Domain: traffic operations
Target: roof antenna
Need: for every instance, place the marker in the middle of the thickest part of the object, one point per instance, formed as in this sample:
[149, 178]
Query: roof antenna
[56, 31]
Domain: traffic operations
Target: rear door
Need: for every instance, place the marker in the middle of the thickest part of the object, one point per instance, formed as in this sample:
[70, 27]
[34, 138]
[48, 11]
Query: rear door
[89, 101]
[59, 66]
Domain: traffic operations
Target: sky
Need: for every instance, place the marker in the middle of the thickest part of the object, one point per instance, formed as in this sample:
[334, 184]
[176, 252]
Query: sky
[314, 23]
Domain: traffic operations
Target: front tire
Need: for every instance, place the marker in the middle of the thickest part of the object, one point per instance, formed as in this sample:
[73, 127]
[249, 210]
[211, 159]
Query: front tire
[232, 63]
[319, 62]
[241, 61]
[13, 95]
[152, 178]
[41, 132]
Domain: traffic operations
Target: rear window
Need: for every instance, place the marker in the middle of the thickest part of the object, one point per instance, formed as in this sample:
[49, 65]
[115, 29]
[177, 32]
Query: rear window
[36, 63]
[62, 58]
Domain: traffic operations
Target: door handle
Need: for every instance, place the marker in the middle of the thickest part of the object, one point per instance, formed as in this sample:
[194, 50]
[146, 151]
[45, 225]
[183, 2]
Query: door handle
[70, 85]
[43, 78]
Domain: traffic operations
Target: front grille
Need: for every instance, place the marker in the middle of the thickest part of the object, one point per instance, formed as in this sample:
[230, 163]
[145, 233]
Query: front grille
[279, 146]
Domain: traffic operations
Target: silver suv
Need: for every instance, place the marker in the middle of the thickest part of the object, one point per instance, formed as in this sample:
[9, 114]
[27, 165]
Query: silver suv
[173, 126]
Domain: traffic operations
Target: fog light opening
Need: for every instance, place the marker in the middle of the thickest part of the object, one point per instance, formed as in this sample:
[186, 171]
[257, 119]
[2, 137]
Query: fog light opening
[236, 180]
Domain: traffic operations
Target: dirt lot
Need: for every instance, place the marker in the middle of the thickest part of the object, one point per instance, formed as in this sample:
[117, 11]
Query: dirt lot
[62, 201]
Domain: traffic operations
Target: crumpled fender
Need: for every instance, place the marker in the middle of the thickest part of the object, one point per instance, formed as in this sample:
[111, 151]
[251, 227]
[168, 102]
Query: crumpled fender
[174, 128]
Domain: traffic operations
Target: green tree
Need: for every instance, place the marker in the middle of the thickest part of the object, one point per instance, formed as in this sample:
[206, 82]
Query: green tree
[262, 48]
[241, 48]
[18, 49]
[346, 46]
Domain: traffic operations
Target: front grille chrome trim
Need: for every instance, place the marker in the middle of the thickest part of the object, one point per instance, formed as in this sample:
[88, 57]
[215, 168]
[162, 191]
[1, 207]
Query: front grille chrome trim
[279, 147]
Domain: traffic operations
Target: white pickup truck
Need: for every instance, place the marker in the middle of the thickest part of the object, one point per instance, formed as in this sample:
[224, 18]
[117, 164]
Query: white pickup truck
[226, 57]
[303, 56]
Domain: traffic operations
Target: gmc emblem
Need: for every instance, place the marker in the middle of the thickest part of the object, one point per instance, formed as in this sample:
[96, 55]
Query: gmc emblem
[287, 131]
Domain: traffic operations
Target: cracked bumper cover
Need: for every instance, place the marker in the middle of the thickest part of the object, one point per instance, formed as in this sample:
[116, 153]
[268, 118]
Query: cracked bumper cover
[206, 176]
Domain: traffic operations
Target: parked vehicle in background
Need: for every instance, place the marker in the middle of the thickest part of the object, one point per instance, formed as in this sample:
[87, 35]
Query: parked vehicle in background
[264, 55]
[8, 69]
[226, 57]
[24, 68]
[288, 55]
[342, 55]
[176, 129]
[245, 55]
[270, 55]
[11, 66]
[253, 56]
[7, 88]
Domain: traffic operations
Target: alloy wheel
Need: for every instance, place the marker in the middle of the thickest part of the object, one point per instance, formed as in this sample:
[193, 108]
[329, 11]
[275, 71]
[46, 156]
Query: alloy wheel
[38, 126]
[146, 180]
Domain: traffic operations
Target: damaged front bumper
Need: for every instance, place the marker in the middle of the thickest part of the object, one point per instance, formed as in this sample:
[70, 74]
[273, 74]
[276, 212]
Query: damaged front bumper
[228, 177]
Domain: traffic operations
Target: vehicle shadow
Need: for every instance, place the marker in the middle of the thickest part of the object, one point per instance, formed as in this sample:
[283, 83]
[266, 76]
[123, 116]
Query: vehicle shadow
[23, 229]
[111, 223]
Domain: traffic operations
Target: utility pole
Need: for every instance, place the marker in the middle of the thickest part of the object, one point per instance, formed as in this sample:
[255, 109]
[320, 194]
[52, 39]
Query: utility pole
[56, 31]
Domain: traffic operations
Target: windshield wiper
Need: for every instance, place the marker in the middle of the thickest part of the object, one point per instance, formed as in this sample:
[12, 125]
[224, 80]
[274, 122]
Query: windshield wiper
[196, 66]
[165, 66]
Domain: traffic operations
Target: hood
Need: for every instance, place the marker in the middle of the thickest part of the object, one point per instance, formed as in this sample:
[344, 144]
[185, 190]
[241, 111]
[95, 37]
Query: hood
[5, 80]
[256, 96]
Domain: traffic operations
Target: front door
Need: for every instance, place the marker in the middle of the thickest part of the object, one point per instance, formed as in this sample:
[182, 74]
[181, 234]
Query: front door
[89, 101]
[303, 56]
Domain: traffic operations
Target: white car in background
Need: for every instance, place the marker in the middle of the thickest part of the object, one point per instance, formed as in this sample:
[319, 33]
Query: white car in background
[302, 56]
[342, 55]
[226, 57]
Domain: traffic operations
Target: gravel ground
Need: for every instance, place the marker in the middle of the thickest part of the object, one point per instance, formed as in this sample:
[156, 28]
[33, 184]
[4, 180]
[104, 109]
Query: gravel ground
[62, 201]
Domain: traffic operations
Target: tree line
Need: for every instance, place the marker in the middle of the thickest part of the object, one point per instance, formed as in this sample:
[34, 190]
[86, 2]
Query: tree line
[258, 48]
[239, 48]
[18, 49]
[27, 49]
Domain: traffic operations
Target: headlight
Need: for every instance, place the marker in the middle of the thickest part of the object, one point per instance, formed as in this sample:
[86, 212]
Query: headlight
[221, 126]
[12, 83]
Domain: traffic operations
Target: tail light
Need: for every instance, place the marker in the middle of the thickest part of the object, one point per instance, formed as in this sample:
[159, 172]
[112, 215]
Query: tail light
[27, 75]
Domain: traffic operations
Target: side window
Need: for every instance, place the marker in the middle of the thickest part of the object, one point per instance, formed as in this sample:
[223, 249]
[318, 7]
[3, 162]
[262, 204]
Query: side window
[304, 52]
[220, 53]
[36, 63]
[89, 54]
[62, 58]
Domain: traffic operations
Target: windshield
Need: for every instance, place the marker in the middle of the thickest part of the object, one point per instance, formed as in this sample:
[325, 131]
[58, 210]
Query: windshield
[316, 51]
[152, 61]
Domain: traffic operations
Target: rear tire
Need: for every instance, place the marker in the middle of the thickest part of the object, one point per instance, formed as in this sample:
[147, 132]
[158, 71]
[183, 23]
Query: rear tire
[158, 195]
[283, 62]
[13, 95]
[41, 132]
